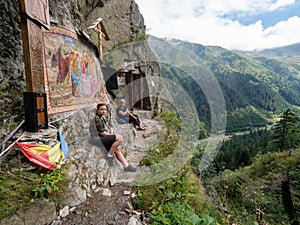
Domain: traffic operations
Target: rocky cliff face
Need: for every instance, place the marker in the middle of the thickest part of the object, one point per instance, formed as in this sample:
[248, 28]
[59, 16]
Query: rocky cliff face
[12, 80]
[122, 20]
[125, 23]
[86, 165]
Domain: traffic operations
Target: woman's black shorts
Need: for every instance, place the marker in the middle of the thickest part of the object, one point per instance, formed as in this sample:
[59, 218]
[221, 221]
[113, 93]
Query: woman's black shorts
[108, 140]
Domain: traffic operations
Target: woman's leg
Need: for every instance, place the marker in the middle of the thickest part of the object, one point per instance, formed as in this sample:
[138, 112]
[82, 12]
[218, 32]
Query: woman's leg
[121, 121]
[121, 157]
[136, 121]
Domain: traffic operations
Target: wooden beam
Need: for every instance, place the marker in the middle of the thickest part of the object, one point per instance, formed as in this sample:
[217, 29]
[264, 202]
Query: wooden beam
[34, 18]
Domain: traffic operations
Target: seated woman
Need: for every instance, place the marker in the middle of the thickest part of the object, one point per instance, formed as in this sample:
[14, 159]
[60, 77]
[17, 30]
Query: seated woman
[125, 116]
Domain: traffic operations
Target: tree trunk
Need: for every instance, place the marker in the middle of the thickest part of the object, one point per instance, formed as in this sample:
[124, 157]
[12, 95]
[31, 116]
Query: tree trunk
[287, 199]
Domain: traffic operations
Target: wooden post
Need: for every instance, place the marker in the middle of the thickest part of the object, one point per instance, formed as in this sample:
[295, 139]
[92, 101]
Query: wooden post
[100, 33]
[140, 91]
[34, 18]
[100, 29]
[129, 83]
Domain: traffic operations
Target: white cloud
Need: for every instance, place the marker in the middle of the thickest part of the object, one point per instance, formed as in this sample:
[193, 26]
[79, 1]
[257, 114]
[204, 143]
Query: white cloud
[230, 6]
[283, 33]
[204, 22]
[280, 4]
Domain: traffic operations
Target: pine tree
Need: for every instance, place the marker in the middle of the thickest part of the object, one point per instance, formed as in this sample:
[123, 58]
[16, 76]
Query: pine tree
[286, 132]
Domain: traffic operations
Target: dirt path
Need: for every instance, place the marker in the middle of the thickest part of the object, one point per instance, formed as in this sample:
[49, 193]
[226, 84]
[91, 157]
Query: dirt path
[107, 205]
[112, 205]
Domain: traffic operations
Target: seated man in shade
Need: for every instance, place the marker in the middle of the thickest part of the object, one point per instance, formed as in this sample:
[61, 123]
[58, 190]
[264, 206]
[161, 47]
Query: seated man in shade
[110, 141]
[125, 116]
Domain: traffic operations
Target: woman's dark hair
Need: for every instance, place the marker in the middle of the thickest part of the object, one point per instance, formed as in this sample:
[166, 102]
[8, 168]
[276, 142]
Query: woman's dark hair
[100, 104]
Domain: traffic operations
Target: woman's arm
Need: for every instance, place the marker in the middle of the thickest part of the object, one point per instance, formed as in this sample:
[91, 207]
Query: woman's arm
[130, 114]
[122, 113]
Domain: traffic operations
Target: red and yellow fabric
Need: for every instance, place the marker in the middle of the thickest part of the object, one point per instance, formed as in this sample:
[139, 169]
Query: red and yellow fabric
[43, 155]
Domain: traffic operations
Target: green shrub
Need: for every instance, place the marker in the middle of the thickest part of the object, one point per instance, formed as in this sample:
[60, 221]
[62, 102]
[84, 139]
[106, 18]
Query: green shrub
[177, 213]
[49, 183]
[159, 153]
[178, 200]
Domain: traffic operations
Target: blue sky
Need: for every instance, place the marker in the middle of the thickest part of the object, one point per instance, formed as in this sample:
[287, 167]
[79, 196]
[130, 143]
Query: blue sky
[232, 24]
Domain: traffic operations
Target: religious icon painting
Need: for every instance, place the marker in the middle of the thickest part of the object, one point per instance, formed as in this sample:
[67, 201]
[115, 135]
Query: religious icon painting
[73, 76]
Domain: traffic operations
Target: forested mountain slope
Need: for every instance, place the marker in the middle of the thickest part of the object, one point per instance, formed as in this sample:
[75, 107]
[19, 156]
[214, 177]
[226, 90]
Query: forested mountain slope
[254, 87]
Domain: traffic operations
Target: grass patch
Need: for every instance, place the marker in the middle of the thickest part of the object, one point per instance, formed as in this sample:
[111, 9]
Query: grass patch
[258, 186]
[19, 186]
[15, 191]
[176, 200]
[159, 153]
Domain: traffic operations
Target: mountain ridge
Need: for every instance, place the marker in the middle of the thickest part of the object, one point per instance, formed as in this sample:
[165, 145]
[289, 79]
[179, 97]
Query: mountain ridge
[251, 84]
[281, 52]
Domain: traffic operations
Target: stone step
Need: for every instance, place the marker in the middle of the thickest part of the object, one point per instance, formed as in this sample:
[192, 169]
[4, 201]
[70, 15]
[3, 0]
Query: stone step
[143, 114]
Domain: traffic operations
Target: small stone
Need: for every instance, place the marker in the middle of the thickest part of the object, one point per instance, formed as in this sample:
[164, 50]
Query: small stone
[98, 189]
[64, 212]
[113, 181]
[106, 192]
[134, 221]
[130, 206]
[133, 195]
[127, 192]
